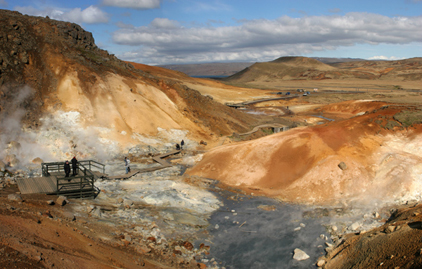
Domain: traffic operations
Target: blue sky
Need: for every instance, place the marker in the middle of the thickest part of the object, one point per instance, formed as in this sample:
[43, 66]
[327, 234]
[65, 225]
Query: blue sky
[193, 31]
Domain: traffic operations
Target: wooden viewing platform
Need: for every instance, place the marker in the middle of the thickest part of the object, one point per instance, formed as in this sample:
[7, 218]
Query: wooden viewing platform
[54, 180]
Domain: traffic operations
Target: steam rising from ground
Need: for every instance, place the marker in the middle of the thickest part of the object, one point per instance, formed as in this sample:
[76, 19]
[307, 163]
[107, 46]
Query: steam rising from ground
[60, 136]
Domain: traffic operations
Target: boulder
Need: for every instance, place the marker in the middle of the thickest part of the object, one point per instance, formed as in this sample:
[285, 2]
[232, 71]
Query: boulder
[37, 161]
[354, 226]
[62, 200]
[342, 166]
[300, 255]
[14, 198]
[50, 202]
[69, 216]
[320, 263]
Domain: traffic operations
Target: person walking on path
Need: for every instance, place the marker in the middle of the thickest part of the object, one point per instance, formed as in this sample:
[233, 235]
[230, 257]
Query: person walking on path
[182, 144]
[127, 165]
[67, 168]
[74, 166]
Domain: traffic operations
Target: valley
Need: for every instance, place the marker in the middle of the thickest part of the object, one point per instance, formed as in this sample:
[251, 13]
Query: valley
[329, 178]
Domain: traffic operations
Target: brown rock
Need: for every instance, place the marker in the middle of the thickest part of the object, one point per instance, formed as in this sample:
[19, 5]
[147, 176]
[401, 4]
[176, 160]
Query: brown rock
[391, 228]
[187, 245]
[152, 239]
[201, 265]
[47, 214]
[342, 166]
[37, 161]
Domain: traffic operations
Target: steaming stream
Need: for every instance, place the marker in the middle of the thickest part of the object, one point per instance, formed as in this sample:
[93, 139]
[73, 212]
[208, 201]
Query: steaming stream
[251, 237]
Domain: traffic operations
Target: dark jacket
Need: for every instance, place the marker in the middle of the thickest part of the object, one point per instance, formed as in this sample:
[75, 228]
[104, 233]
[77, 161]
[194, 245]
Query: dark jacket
[67, 167]
[74, 162]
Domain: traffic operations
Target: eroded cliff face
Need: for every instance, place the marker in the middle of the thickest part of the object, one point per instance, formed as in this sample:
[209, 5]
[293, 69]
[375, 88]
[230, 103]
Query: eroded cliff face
[58, 88]
[381, 161]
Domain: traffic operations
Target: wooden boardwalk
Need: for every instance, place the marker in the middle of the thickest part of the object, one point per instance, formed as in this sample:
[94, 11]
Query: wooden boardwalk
[159, 159]
[48, 184]
[37, 185]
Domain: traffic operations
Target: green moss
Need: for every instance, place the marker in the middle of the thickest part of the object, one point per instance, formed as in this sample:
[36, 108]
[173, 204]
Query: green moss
[408, 118]
[391, 124]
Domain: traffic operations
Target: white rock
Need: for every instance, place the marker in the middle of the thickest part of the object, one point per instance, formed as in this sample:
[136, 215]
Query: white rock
[217, 226]
[320, 263]
[297, 229]
[334, 228]
[14, 197]
[300, 255]
[354, 226]
[302, 225]
[97, 212]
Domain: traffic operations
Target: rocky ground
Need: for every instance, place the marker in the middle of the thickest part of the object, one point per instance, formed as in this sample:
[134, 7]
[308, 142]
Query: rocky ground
[110, 231]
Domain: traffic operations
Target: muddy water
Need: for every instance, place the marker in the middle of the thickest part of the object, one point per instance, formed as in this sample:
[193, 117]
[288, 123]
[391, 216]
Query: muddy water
[258, 232]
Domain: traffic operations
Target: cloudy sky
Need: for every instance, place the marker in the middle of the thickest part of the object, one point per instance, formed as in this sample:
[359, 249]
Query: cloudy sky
[193, 31]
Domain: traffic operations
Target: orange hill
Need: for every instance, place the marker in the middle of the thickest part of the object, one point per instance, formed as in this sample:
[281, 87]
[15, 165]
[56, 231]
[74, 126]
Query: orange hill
[302, 165]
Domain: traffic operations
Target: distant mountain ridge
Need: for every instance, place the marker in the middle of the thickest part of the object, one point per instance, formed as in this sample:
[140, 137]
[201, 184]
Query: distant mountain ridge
[228, 69]
[303, 68]
[208, 69]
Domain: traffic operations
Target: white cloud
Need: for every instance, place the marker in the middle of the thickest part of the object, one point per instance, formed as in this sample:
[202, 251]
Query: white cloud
[164, 23]
[135, 4]
[90, 15]
[3, 3]
[262, 40]
[381, 57]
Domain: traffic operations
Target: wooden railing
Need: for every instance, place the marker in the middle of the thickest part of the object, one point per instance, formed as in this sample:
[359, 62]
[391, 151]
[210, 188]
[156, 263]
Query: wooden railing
[77, 186]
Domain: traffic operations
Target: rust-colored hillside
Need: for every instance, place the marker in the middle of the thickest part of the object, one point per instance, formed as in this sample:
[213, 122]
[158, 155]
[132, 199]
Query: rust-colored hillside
[62, 70]
[377, 150]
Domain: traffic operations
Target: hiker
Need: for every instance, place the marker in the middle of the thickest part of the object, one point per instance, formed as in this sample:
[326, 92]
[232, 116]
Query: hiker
[74, 166]
[67, 168]
[127, 164]
[177, 147]
[182, 144]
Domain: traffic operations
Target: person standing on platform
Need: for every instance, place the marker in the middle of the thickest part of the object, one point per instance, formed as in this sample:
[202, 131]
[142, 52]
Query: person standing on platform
[74, 166]
[67, 168]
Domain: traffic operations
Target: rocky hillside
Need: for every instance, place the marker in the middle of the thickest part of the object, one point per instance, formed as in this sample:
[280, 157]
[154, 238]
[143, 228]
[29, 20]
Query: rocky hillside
[302, 68]
[62, 93]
